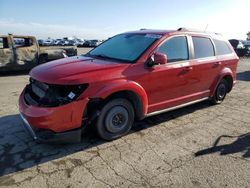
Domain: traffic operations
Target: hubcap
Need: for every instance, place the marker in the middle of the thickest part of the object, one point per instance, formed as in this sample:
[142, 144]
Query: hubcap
[116, 119]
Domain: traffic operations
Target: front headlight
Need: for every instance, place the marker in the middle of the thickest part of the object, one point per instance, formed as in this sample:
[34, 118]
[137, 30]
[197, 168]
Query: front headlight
[50, 95]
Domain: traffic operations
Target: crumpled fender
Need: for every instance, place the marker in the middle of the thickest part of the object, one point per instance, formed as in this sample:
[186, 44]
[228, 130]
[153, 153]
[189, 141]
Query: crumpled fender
[224, 72]
[123, 85]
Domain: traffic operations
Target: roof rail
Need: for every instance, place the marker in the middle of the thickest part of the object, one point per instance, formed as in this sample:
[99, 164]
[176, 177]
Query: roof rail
[188, 29]
[196, 30]
[181, 29]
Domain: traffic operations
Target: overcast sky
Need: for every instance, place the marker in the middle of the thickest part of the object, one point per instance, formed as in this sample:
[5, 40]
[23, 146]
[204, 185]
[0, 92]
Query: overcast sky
[100, 19]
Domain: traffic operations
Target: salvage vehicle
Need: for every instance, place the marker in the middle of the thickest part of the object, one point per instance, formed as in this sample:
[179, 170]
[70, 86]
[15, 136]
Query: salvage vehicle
[130, 76]
[23, 52]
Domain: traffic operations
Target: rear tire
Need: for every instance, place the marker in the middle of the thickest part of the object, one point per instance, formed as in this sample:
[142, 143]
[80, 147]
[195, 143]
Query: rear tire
[220, 92]
[116, 119]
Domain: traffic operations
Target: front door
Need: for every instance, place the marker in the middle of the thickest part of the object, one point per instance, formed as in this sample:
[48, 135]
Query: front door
[170, 84]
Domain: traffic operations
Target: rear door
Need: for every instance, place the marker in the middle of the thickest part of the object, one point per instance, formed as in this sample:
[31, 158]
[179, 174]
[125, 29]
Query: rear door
[206, 66]
[225, 55]
[6, 52]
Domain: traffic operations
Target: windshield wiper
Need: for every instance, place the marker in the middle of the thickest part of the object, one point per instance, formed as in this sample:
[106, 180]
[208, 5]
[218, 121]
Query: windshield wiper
[105, 57]
[102, 56]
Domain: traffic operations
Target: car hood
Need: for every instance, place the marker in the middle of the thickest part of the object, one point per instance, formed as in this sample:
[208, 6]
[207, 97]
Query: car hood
[76, 70]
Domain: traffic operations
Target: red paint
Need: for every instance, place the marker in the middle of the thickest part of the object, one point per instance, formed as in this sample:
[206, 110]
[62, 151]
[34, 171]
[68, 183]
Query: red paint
[158, 87]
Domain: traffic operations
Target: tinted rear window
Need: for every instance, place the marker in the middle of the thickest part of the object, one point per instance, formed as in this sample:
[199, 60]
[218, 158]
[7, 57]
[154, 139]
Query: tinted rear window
[203, 47]
[221, 47]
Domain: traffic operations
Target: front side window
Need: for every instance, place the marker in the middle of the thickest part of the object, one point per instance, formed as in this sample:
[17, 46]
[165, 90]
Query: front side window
[203, 47]
[175, 48]
[221, 47]
[125, 47]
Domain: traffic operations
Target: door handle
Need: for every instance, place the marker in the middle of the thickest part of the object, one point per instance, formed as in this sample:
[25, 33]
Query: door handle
[186, 70]
[216, 64]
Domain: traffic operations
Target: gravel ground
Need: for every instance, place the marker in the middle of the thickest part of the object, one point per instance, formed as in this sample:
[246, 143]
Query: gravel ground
[196, 146]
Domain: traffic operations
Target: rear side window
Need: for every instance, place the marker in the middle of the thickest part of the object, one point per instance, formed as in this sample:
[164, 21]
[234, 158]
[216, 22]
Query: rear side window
[203, 47]
[175, 48]
[221, 47]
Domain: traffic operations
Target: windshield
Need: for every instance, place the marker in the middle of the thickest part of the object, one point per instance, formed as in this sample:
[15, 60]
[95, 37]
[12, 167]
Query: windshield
[125, 47]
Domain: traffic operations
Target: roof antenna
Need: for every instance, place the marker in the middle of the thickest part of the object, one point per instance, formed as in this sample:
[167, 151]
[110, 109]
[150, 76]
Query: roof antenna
[206, 28]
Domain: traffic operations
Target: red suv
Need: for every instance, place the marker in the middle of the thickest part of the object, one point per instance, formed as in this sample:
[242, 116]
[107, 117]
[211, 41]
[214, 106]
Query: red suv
[131, 76]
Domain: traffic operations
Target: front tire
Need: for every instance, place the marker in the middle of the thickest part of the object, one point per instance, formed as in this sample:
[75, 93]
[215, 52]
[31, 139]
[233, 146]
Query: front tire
[220, 93]
[116, 119]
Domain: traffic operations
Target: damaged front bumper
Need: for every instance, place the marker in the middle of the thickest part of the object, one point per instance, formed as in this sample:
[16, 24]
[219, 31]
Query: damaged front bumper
[47, 136]
[61, 124]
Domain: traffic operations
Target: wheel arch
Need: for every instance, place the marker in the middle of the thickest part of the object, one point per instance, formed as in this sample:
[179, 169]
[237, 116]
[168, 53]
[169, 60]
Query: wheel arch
[226, 74]
[124, 89]
[132, 97]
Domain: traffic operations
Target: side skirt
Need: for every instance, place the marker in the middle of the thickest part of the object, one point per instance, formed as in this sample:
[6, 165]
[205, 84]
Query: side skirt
[176, 107]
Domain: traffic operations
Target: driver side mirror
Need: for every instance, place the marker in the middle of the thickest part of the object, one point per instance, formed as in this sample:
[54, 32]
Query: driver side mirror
[157, 59]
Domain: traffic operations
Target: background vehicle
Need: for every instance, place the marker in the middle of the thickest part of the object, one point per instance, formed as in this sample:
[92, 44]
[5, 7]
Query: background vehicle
[58, 42]
[246, 43]
[94, 43]
[239, 47]
[72, 43]
[90, 43]
[48, 42]
[23, 52]
[40, 42]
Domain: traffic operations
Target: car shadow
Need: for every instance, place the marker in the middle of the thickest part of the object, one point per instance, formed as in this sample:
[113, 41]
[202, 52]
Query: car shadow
[243, 76]
[240, 144]
[18, 151]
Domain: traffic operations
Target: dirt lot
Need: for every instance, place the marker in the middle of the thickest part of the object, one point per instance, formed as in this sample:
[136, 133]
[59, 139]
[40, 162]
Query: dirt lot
[196, 146]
